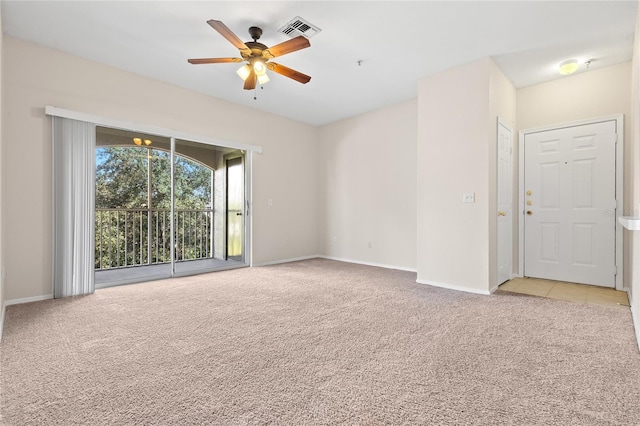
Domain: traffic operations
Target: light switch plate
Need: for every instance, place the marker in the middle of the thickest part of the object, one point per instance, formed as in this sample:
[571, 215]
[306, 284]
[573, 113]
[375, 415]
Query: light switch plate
[469, 197]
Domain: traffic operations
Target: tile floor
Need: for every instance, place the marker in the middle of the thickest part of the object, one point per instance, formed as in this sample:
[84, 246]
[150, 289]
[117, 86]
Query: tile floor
[567, 291]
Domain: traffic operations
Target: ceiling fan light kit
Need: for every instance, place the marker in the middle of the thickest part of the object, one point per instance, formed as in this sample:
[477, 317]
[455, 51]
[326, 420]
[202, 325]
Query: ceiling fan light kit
[259, 67]
[244, 72]
[262, 79]
[139, 141]
[257, 55]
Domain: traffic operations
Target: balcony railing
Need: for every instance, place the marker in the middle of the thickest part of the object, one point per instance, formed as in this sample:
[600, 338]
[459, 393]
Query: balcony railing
[135, 237]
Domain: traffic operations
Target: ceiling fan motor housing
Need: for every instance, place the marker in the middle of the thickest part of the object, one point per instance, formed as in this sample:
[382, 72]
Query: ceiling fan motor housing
[255, 33]
[255, 50]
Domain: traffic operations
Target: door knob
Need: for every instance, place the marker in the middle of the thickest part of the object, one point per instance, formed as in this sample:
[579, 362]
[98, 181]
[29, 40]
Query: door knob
[502, 213]
[238, 214]
[529, 212]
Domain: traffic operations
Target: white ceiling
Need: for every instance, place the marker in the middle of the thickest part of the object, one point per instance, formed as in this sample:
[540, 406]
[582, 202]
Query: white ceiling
[397, 42]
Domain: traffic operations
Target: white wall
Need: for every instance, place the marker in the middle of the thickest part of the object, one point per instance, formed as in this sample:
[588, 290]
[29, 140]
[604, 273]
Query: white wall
[634, 177]
[2, 180]
[35, 76]
[368, 187]
[457, 135]
[593, 93]
[597, 93]
[452, 157]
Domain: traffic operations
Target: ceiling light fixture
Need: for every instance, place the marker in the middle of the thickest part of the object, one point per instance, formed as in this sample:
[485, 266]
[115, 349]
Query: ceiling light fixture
[568, 67]
[259, 67]
[244, 72]
[140, 141]
[262, 79]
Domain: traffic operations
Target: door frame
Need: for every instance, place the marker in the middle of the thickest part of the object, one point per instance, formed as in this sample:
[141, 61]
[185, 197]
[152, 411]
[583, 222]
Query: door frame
[247, 248]
[619, 166]
[504, 124]
[227, 159]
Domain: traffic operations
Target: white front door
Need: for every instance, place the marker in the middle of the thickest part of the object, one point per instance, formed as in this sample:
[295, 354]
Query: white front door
[505, 210]
[570, 201]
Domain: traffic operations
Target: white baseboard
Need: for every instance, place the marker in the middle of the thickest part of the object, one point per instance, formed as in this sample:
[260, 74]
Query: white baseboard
[455, 287]
[636, 326]
[359, 262]
[634, 317]
[4, 308]
[28, 299]
[293, 259]
[17, 302]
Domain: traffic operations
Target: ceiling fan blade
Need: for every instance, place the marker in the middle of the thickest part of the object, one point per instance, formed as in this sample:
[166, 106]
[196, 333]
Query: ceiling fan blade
[213, 60]
[227, 33]
[288, 72]
[250, 82]
[300, 42]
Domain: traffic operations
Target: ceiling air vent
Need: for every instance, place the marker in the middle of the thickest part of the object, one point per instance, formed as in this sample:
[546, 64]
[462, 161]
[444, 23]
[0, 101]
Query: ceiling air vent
[298, 26]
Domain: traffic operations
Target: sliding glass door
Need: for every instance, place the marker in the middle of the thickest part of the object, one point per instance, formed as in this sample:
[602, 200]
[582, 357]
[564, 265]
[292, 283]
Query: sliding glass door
[162, 207]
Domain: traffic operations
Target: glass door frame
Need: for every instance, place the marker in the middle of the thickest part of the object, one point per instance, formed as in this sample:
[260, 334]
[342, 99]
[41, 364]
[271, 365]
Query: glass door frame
[245, 208]
[134, 126]
[246, 240]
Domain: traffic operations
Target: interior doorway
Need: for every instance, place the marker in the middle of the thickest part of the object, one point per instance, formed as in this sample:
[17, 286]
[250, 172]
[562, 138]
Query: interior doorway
[571, 188]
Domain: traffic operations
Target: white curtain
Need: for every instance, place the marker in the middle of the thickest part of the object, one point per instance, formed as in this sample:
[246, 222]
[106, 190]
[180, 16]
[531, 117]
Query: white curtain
[73, 207]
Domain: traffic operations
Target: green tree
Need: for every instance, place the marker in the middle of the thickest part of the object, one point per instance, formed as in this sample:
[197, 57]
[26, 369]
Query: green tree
[122, 233]
[122, 177]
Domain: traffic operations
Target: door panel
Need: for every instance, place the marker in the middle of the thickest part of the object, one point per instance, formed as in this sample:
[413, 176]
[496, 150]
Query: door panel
[569, 193]
[549, 237]
[549, 185]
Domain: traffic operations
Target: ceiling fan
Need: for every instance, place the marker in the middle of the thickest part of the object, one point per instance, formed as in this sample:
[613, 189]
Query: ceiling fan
[257, 55]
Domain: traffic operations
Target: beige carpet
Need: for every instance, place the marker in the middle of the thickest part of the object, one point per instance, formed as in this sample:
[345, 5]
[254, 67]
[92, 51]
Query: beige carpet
[316, 342]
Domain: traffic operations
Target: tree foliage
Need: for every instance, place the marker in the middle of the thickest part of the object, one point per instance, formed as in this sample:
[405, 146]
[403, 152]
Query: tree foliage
[122, 179]
[138, 233]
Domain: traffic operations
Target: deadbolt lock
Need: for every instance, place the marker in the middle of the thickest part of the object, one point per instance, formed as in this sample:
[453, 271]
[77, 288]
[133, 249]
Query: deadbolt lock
[529, 192]
[529, 212]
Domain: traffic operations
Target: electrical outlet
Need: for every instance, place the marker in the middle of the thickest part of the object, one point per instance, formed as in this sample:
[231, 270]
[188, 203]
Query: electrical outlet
[370, 245]
[334, 239]
[469, 197]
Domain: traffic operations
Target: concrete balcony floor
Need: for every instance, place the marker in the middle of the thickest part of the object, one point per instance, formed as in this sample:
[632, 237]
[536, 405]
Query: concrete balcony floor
[135, 274]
